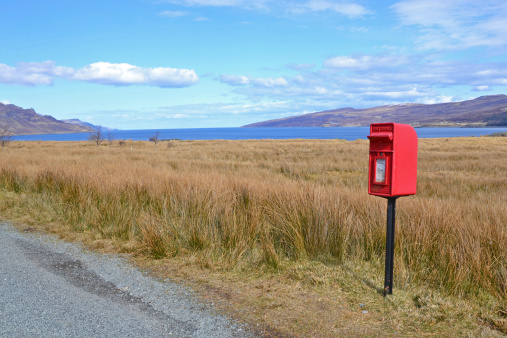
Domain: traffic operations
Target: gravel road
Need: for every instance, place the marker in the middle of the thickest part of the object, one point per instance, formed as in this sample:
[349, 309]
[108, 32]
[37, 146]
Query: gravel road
[55, 289]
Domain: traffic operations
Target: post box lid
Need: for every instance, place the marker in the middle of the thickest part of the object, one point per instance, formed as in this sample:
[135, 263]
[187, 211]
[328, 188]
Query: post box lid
[381, 137]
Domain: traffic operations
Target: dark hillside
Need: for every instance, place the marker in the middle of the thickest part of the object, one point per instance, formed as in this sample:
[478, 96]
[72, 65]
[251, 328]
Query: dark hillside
[482, 111]
[26, 121]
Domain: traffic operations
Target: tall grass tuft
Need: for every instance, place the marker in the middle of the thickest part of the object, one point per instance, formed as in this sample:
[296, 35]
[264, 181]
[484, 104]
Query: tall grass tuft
[244, 204]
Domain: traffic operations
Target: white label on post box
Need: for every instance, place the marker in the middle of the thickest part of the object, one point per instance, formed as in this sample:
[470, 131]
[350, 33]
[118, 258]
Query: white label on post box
[380, 172]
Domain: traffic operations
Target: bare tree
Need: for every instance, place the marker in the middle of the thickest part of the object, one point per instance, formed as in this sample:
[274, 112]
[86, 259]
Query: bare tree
[110, 138]
[155, 138]
[97, 136]
[6, 135]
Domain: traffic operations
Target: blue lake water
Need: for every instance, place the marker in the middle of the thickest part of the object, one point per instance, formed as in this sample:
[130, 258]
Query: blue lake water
[345, 133]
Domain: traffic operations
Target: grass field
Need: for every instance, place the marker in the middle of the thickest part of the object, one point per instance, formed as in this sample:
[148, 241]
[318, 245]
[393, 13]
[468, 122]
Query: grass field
[282, 233]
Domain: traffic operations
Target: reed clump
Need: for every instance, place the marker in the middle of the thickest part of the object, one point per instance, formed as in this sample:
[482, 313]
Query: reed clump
[247, 204]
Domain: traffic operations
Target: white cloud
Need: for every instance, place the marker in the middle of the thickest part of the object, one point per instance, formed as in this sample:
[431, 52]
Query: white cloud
[212, 2]
[299, 79]
[179, 14]
[235, 80]
[32, 73]
[270, 82]
[455, 24]
[222, 109]
[46, 67]
[118, 74]
[5, 102]
[439, 99]
[124, 74]
[254, 108]
[394, 95]
[258, 4]
[172, 14]
[345, 7]
[373, 80]
[482, 88]
[366, 61]
[241, 80]
[341, 7]
[347, 62]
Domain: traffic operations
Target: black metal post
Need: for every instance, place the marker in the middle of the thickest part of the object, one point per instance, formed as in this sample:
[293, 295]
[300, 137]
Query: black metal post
[391, 215]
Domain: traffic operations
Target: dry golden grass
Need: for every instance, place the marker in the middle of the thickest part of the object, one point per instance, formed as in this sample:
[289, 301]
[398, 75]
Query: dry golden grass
[288, 224]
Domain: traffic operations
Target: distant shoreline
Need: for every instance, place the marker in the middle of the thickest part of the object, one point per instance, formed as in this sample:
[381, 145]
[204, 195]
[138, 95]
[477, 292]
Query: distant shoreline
[266, 133]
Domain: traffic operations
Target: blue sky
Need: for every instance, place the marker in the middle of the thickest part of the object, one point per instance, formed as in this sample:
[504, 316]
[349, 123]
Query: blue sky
[160, 64]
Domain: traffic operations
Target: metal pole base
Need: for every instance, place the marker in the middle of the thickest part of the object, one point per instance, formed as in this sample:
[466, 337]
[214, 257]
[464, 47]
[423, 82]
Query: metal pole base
[391, 215]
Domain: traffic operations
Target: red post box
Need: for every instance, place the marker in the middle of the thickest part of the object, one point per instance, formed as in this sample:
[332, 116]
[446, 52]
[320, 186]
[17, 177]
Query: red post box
[393, 160]
[392, 173]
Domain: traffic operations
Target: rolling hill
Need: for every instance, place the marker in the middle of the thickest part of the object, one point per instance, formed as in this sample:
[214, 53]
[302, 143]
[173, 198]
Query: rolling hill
[482, 111]
[86, 124]
[21, 121]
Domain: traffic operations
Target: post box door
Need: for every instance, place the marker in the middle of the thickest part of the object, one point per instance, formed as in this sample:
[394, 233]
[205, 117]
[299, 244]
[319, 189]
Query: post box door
[380, 172]
[381, 167]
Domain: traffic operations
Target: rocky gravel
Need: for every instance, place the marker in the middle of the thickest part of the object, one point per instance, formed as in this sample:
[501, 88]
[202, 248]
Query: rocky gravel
[52, 288]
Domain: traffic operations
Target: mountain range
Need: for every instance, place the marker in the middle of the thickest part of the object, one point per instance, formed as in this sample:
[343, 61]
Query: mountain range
[86, 124]
[480, 112]
[21, 121]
